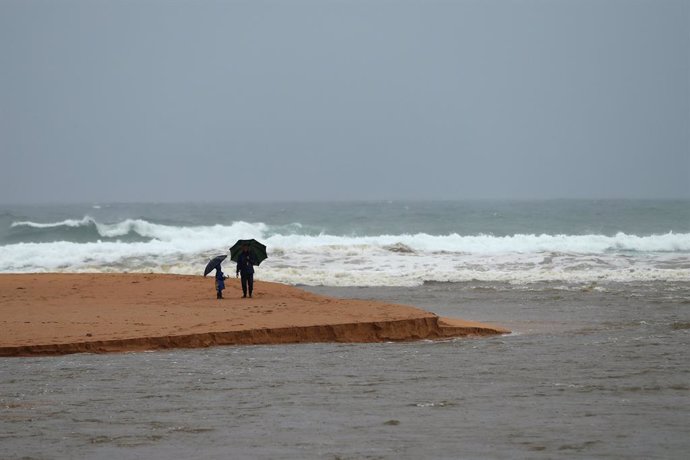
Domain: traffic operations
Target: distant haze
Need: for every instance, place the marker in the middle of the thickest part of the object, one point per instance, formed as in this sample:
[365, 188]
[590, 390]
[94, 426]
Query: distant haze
[168, 100]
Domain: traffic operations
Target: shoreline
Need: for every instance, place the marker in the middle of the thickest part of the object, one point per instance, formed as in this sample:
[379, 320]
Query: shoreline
[63, 313]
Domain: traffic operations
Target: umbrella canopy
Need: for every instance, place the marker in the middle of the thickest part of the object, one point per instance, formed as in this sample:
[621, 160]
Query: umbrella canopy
[257, 250]
[213, 264]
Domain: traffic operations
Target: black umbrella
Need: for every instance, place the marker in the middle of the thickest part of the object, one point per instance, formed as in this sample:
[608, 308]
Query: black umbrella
[214, 263]
[257, 250]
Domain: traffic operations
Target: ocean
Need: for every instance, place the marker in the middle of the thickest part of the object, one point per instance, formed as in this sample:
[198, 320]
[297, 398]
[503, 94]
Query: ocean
[363, 244]
[597, 294]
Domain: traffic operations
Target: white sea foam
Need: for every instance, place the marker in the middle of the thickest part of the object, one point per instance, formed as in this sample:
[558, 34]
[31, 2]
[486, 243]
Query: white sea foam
[84, 221]
[404, 259]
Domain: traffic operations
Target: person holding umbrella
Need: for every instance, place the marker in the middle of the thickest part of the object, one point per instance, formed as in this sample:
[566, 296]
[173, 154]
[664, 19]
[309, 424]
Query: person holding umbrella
[245, 267]
[247, 253]
[220, 282]
[220, 277]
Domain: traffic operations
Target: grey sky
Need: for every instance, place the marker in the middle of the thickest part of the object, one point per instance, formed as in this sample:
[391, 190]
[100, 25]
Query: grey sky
[143, 100]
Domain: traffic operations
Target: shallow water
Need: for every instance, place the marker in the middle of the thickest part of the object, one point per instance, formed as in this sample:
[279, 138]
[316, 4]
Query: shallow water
[591, 371]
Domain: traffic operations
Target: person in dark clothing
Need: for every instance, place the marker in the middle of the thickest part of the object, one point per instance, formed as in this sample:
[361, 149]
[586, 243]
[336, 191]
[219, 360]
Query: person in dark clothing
[220, 283]
[245, 267]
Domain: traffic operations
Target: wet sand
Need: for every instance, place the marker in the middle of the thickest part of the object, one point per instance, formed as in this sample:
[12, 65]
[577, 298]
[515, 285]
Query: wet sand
[53, 314]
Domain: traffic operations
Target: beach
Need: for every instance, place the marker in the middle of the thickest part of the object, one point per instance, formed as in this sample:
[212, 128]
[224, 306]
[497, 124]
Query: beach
[113, 331]
[51, 314]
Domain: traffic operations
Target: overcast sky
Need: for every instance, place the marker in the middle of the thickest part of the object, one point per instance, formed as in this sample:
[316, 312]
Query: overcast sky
[168, 100]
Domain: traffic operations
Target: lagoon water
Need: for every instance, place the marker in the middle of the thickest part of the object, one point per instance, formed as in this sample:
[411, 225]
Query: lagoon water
[597, 294]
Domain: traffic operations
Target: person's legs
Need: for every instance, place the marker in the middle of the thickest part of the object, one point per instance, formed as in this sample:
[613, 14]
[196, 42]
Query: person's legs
[250, 283]
[244, 285]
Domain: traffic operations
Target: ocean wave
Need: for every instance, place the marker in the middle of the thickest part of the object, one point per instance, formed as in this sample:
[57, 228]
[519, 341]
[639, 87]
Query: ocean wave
[295, 257]
[62, 231]
[489, 244]
[84, 221]
[292, 236]
[350, 266]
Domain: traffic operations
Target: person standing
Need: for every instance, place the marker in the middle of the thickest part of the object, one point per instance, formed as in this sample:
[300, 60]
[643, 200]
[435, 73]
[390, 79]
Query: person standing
[245, 267]
[220, 282]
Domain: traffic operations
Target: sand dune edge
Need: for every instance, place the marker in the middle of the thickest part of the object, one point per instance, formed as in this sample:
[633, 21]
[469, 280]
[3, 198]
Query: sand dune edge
[380, 331]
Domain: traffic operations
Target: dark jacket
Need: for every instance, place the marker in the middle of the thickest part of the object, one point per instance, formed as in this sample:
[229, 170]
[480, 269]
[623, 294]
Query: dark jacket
[220, 280]
[245, 263]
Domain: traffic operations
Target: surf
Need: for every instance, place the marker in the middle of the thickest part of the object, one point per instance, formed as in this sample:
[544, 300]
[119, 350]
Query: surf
[295, 236]
[298, 254]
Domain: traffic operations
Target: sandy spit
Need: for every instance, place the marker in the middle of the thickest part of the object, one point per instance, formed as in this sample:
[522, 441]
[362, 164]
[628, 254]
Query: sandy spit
[54, 314]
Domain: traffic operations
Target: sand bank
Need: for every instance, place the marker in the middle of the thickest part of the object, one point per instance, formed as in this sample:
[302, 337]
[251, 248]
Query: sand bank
[52, 314]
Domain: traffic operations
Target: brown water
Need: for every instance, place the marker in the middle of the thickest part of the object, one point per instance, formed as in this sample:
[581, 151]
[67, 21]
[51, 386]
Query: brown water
[590, 372]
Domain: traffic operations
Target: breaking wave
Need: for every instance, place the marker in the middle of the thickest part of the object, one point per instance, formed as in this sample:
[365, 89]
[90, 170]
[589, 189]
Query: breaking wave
[93, 230]
[299, 257]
